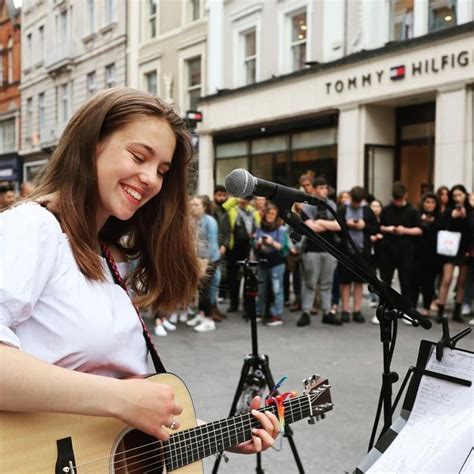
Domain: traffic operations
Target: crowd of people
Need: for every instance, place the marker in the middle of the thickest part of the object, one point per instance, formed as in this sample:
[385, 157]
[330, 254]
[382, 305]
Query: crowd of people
[301, 275]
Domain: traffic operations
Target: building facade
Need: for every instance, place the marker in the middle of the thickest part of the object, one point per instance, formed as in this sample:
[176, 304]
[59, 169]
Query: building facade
[363, 93]
[10, 49]
[167, 54]
[70, 50]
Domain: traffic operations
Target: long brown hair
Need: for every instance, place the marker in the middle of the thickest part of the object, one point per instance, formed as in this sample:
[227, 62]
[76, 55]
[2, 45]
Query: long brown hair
[158, 235]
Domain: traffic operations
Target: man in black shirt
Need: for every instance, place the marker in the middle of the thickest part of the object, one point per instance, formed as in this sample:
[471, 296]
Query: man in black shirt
[400, 225]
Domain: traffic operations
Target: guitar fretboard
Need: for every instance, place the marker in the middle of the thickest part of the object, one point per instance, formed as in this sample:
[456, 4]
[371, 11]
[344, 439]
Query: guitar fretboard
[191, 445]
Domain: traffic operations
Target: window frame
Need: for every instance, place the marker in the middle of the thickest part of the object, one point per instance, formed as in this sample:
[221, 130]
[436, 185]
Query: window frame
[110, 67]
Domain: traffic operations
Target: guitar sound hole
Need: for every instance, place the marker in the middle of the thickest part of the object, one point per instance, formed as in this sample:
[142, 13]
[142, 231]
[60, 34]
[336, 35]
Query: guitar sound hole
[139, 453]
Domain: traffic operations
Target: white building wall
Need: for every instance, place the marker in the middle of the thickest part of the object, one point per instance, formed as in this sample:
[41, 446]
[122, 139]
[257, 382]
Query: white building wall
[453, 147]
[333, 30]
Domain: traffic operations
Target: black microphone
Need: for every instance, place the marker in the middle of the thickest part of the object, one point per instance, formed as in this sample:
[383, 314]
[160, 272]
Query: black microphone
[241, 183]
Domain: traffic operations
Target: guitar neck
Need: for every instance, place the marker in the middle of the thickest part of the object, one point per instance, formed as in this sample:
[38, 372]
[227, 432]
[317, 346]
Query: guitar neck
[191, 445]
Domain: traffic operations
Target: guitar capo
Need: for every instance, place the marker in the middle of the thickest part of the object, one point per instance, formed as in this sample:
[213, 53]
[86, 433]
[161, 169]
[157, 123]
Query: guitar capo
[447, 341]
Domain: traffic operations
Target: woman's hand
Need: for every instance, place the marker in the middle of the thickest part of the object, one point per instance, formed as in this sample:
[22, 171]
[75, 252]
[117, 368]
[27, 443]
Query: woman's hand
[147, 406]
[263, 437]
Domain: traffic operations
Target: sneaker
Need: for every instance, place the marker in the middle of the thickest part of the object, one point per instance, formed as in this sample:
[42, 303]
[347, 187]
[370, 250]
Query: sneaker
[358, 317]
[274, 321]
[183, 317]
[220, 299]
[345, 318]
[195, 321]
[375, 320]
[466, 310]
[205, 325]
[173, 319]
[330, 318]
[304, 320]
[168, 325]
[160, 330]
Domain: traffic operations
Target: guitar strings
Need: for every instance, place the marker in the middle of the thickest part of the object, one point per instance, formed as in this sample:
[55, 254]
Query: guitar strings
[180, 444]
[177, 443]
[178, 465]
[183, 444]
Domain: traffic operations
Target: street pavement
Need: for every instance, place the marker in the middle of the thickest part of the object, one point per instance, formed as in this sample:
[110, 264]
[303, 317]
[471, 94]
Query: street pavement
[349, 356]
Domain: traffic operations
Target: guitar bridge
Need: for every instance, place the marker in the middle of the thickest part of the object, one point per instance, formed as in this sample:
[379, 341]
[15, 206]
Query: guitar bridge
[65, 462]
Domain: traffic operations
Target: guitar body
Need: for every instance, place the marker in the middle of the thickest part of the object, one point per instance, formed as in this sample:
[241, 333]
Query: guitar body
[28, 442]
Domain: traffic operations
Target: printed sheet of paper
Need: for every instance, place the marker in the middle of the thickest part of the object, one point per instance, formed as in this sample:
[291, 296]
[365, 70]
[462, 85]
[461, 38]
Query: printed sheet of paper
[439, 435]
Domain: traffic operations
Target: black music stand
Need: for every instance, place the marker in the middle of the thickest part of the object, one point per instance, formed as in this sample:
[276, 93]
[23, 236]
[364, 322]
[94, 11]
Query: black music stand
[255, 364]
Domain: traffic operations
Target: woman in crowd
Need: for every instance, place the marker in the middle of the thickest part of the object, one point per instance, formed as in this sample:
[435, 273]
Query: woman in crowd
[114, 189]
[376, 206]
[456, 218]
[208, 249]
[361, 223]
[272, 246]
[427, 261]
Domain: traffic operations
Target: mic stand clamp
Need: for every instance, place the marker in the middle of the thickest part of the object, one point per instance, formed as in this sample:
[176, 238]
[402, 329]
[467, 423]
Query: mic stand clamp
[447, 341]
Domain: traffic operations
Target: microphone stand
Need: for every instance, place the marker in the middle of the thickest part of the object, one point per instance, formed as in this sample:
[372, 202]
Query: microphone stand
[392, 306]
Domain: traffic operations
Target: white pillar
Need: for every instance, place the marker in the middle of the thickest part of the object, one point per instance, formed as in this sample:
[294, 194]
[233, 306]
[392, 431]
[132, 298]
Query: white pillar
[349, 150]
[453, 147]
[465, 11]
[206, 165]
[215, 46]
[133, 40]
[420, 20]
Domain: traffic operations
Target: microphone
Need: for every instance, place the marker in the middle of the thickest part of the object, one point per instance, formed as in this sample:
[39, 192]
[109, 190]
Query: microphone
[241, 183]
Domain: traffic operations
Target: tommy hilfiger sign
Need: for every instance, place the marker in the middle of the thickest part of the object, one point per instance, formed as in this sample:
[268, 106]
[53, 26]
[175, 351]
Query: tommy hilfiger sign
[401, 71]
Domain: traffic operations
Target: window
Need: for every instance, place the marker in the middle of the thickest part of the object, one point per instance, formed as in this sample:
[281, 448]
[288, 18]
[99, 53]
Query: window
[41, 116]
[193, 82]
[442, 14]
[29, 49]
[64, 103]
[151, 6]
[41, 42]
[401, 19]
[1, 67]
[110, 75]
[63, 31]
[299, 30]
[29, 119]
[250, 57]
[109, 11]
[91, 11]
[7, 136]
[194, 10]
[10, 60]
[151, 82]
[91, 84]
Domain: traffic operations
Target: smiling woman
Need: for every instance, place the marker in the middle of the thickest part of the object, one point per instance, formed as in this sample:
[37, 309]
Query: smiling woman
[116, 185]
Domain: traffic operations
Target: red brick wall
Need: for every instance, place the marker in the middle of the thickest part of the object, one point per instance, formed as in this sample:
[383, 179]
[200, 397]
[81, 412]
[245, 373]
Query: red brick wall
[10, 28]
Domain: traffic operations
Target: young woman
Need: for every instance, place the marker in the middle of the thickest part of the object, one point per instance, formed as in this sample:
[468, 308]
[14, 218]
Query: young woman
[116, 185]
[427, 261]
[208, 249]
[376, 206]
[272, 246]
[456, 218]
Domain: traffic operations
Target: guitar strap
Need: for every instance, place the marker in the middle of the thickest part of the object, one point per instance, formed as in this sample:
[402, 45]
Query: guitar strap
[159, 367]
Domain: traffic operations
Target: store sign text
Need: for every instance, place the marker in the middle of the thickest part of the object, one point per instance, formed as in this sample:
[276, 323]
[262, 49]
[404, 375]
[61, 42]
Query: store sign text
[400, 71]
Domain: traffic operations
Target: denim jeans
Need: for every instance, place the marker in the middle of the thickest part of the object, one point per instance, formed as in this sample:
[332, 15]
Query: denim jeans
[275, 274]
[216, 280]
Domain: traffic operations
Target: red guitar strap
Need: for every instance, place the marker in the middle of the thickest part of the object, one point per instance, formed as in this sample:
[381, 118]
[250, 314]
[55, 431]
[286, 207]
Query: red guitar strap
[159, 367]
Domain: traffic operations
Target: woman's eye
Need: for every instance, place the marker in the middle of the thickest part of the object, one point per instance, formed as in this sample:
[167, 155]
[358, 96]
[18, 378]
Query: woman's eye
[137, 158]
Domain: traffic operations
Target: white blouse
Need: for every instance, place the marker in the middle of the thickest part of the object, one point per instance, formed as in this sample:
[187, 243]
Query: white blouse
[50, 310]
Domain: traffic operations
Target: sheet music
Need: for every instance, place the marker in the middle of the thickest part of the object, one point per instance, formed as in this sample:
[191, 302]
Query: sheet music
[439, 435]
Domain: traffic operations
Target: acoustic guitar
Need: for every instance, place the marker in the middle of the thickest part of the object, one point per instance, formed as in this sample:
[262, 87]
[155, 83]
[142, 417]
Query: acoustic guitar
[63, 443]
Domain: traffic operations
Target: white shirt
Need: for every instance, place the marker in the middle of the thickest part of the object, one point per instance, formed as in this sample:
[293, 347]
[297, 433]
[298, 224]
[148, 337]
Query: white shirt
[50, 310]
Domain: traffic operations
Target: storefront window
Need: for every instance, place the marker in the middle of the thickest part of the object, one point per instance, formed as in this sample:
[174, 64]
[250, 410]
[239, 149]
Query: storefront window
[442, 14]
[224, 167]
[322, 160]
[401, 19]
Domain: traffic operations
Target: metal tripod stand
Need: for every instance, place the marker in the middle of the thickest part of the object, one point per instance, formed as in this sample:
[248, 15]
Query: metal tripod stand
[256, 363]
